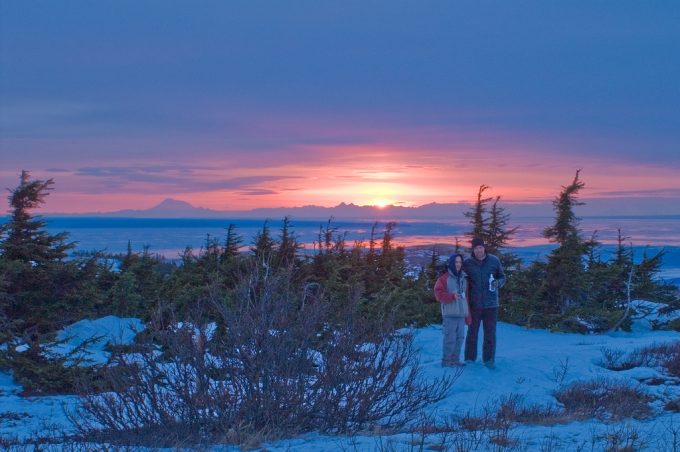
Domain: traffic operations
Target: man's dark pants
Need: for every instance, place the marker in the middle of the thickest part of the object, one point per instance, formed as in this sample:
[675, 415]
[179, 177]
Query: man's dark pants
[487, 317]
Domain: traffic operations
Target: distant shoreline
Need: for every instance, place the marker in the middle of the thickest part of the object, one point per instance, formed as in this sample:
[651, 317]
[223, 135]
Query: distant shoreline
[170, 236]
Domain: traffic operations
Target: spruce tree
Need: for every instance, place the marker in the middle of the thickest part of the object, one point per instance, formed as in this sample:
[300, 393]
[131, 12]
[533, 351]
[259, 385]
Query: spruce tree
[210, 256]
[478, 215]
[646, 282]
[263, 250]
[288, 245]
[499, 234]
[326, 236]
[232, 244]
[38, 285]
[429, 274]
[25, 237]
[129, 259]
[565, 228]
[433, 268]
[263, 245]
[371, 264]
[621, 266]
[391, 264]
[565, 274]
[492, 225]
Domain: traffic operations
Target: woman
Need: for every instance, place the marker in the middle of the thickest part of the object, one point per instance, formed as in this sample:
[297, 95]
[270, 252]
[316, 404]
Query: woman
[450, 290]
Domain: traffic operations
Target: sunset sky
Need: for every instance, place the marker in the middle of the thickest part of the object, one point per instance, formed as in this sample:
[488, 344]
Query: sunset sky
[241, 104]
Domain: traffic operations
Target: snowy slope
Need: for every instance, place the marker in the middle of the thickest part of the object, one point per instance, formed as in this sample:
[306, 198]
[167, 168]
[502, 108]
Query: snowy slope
[530, 363]
[35, 416]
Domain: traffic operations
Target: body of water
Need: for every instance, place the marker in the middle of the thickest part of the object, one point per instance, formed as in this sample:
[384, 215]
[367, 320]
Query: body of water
[169, 237]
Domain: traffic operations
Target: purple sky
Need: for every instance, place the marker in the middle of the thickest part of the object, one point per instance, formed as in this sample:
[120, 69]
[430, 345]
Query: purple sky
[241, 104]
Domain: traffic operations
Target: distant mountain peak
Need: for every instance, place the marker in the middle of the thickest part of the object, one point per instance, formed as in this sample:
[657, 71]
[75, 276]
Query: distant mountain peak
[173, 204]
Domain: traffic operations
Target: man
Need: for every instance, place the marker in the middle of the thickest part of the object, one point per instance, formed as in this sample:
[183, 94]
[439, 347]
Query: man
[485, 277]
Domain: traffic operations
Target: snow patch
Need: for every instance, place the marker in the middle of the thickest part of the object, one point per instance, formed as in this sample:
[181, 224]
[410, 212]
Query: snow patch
[92, 337]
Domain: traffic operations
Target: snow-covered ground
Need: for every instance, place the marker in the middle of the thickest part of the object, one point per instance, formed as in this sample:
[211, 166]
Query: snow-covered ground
[530, 363]
[100, 333]
[27, 417]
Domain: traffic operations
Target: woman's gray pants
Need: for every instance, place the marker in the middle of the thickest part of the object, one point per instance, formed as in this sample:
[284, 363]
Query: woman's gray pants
[454, 336]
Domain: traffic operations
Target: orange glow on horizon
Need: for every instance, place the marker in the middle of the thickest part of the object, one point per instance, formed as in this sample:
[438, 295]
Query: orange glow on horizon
[360, 175]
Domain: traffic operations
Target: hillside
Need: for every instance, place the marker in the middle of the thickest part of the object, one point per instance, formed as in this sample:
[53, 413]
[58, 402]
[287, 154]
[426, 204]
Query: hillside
[532, 365]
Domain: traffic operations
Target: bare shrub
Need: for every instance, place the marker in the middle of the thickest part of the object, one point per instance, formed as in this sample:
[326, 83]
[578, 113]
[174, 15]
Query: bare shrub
[271, 369]
[500, 437]
[560, 372]
[622, 438]
[493, 425]
[671, 439]
[614, 359]
[665, 355]
[550, 443]
[468, 432]
[477, 422]
[671, 359]
[604, 399]
[12, 416]
[513, 408]
[52, 441]
[463, 433]
[509, 409]
[673, 405]
[491, 428]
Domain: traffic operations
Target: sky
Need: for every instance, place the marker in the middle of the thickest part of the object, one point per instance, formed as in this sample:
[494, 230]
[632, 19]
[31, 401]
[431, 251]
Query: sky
[242, 104]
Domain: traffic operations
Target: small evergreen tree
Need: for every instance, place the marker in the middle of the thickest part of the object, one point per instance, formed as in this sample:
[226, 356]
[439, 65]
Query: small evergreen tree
[603, 278]
[140, 286]
[491, 224]
[478, 215]
[434, 268]
[288, 245]
[646, 283]
[129, 259]
[25, 237]
[370, 263]
[232, 244]
[498, 233]
[211, 255]
[429, 307]
[372, 243]
[263, 243]
[263, 246]
[37, 281]
[565, 228]
[620, 267]
[41, 290]
[565, 274]
[391, 260]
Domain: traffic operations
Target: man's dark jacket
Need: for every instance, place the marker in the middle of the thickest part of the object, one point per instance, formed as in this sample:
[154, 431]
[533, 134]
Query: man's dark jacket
[478, 280]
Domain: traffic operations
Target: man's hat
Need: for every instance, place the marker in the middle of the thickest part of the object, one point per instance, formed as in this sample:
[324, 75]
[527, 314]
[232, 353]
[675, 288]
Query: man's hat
[477, 241]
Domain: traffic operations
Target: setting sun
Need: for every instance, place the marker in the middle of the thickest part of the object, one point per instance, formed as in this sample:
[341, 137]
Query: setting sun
[380, 203]
[377, 194]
